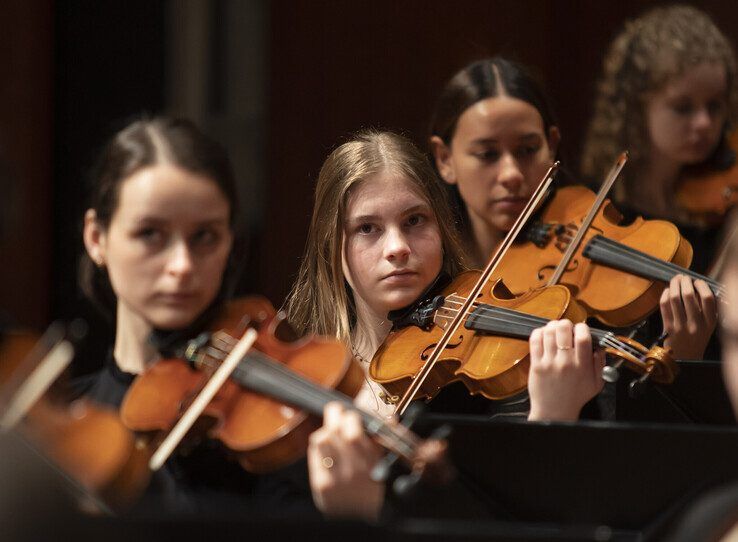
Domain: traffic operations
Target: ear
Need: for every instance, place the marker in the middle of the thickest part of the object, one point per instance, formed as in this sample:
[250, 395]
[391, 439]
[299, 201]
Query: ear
[442, 156]
[95, 238]
[554, 137]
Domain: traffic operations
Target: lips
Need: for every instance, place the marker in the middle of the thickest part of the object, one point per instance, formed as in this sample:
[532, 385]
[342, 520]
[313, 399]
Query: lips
[510, 203]
[177, 297]
[400, 275]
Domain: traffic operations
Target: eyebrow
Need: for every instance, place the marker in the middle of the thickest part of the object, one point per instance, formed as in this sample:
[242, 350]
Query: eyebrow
[159, 221]
[409, 210]
[487, 140]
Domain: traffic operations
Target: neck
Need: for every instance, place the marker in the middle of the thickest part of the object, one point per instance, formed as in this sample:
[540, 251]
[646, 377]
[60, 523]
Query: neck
[485, 240]
[132, 351]
[371, 329]
[653, 189]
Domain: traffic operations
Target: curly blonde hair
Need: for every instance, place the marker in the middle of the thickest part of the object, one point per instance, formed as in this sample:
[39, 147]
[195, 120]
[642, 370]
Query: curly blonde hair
[321, 300]
[652, 49]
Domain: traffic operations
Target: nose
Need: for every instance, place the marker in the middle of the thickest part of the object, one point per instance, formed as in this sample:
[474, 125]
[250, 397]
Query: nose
[510, 175]
[179, 262]
[396, 245]
[702, 119]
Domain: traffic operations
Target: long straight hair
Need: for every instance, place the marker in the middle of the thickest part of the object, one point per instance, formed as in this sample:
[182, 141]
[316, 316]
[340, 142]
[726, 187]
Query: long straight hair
[321, 300]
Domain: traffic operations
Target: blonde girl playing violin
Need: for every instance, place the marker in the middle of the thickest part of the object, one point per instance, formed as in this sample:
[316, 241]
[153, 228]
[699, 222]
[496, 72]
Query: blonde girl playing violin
[667, 94]
[158, 236]
[493, 136]
[381, 231]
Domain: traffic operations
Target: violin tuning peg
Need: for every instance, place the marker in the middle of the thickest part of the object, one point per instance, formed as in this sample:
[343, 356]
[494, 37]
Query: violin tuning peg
[637, 387]
[660, 340]
[413, 412]
[381, 471]
[404, 485]
[610, 374]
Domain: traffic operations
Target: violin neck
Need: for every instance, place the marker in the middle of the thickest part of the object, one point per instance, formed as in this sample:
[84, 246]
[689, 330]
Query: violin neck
[624, 258]
[260, 373]
[514, 324]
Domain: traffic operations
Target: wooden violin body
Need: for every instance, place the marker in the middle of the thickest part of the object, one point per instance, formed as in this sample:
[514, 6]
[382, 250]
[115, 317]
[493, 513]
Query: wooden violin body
[706, 195]
[264, 433]
[493, 366]
[614, 297]
[86, 442]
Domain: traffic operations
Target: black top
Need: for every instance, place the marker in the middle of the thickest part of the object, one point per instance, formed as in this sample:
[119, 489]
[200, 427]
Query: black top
[205, 479]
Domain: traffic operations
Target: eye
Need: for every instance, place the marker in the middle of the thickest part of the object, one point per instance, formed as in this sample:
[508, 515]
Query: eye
[682, 108]
[529, 150]
[149, 235]
[715, 107]
[205, 236]
[416, 219]
[366, 228]
[489, 155]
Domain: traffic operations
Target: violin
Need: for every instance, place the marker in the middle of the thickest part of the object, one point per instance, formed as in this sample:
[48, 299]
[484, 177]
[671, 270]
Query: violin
[261, 412]
[439, 343]
[99, 458]
[617, 271]
[707, 194]
[490, 353]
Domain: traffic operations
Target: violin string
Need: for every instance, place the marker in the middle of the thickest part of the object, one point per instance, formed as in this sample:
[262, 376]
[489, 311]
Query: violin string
[318, 395]
[647, 261]
[257, 361]
[605, 338]
[484, 313]
[620, 249]
[324, 395]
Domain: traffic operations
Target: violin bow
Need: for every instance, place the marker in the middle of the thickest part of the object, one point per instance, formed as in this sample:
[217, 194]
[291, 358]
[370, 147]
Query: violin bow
[593, 210]
[215, 382]
[25, 388]
[530, 208]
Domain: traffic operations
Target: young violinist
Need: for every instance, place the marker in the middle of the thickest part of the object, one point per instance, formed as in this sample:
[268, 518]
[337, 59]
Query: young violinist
[159, 236]
[667, 95]
[493, 135]
[381, 232]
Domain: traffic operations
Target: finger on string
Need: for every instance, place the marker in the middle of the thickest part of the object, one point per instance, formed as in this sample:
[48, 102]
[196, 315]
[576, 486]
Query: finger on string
[690, 299]
[535, 343]
[707, 300]
[667, 316]
[564, 335]
[333, 416]
[582, 345]
[549, 340]
[676, 301]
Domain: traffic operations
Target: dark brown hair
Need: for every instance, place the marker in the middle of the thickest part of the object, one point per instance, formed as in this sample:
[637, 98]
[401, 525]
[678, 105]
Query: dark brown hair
[478, 81]
[144, 143]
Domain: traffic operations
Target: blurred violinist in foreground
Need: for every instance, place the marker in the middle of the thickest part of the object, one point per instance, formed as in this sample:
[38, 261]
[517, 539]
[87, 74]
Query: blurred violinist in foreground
[159, 235]
[668, 95]
[715, 516]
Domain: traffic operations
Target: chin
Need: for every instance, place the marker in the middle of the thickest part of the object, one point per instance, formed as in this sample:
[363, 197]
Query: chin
[401, 301]
[172, 320]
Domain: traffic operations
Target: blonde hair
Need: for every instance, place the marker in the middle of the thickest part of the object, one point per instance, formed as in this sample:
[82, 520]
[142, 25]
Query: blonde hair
[321, 301]
[652, 49]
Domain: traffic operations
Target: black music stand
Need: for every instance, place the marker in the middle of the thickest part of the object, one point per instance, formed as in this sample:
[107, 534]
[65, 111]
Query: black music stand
[627, 477]
[697, 395]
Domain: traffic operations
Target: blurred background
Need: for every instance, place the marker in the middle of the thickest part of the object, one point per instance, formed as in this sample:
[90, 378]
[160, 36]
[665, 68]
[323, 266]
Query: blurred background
[279, 82]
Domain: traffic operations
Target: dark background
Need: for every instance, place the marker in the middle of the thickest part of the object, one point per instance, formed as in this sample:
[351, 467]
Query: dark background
[75, 71]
